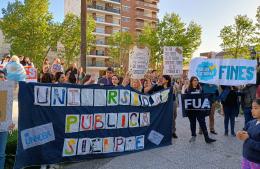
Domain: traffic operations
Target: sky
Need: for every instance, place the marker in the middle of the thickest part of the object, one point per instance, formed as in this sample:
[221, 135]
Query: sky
[212, 15]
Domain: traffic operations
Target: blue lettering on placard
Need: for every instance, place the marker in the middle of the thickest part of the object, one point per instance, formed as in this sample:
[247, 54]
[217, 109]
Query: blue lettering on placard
[206, 71]
[57, 96]
[250, 73]
[236, 72]
[139, 145]
[37, 138]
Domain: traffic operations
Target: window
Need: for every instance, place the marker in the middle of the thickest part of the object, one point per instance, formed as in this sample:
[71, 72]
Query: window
[126, 8]
[125, 29]
[100, 30]
[100, 19]
[125, 19]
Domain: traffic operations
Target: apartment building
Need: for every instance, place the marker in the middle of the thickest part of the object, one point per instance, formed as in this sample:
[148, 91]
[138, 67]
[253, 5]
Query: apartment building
[113, 16]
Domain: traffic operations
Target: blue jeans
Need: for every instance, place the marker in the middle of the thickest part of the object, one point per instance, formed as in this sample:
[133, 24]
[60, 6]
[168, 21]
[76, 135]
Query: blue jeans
[230, 114]
[247, 114]
[3, 141]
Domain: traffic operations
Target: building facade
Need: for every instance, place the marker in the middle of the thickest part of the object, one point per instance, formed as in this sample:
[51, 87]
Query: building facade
[113, 16]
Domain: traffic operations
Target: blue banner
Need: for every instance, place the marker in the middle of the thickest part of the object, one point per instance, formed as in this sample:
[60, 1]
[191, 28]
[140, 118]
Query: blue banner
[66, 122]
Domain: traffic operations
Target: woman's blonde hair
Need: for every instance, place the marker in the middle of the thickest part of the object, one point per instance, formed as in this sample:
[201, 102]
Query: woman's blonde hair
[15, 58]
[136, 81]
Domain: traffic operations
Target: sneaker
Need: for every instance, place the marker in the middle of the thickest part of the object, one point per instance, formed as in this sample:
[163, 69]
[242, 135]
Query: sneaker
[174, 135]
[209, 140]
[213, 132]
[233, 134]
[193, 139]
[226, 134]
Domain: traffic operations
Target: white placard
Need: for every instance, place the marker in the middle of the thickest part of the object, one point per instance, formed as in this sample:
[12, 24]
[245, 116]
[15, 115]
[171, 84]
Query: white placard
[139, 62]
[231, 72]
[172, 61]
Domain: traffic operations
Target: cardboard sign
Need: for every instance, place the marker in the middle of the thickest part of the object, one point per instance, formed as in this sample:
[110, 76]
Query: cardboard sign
[139, 62]
[31, 74]
[6, 104]
[172, 61]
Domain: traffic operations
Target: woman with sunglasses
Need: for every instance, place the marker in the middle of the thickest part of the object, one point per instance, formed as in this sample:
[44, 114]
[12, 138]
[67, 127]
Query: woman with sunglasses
[194, 88]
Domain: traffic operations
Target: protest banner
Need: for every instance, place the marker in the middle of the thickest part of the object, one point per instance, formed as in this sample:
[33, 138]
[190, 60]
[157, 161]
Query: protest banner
[65, 122]
[138, 62]
[6, 104]
[231, 72]
[195, 102]
[31, 74]
[172, 61]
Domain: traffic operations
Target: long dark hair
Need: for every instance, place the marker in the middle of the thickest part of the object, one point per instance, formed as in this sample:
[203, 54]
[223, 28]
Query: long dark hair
[167, 77]
[190, 85]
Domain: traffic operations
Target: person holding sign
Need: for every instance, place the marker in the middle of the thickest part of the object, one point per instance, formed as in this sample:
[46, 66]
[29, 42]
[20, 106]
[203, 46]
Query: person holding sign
[194, 88]
[251, 137]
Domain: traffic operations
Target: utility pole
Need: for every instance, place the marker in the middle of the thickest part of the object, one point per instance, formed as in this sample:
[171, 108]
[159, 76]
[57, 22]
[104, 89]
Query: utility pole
[83, 46]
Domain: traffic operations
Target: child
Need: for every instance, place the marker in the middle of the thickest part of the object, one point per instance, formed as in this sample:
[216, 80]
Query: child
[251, 138]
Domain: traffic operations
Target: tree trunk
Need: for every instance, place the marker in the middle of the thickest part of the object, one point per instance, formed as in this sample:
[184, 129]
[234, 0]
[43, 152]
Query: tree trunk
[83, 47]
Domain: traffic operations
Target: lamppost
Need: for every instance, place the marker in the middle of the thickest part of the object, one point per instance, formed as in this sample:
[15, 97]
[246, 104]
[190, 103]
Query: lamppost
[83, 46]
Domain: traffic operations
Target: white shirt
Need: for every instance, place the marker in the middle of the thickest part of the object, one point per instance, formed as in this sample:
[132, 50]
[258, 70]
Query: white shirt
[257, 122]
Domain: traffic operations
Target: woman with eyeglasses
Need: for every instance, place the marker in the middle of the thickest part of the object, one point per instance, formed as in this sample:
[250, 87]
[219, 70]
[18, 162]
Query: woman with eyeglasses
[194, 88]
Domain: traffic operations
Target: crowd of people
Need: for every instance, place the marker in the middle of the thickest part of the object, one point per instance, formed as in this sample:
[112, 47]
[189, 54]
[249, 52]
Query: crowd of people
[229, 99]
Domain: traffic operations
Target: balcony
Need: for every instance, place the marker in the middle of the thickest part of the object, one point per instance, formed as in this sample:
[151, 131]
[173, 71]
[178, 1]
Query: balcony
[114, 1]
[143, 16]
[98, 64]
[146, 5]
[139, 25]
[103, 9]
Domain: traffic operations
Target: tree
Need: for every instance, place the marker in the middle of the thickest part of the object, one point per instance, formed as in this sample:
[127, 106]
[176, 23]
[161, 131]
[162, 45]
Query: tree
[173, 32]
[26, 27]
[71, 36]
[149, 38]
[237, 38]
[119, 47]
[257, 37]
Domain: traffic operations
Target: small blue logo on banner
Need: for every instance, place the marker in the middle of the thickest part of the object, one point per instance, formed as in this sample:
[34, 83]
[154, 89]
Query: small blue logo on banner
[206, 71]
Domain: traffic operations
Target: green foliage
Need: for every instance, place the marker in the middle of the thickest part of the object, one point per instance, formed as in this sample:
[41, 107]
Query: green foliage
[149, 38]
[26, 27]
[237, 38]
[71, 36]
[119, 47]
[173, 32]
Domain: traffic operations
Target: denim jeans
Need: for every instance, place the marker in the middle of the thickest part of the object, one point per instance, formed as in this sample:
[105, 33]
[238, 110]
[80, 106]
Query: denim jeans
[247, 114]
[3, 141]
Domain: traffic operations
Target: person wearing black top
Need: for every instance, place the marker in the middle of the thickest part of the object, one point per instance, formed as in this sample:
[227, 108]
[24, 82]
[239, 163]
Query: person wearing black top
[231, 107]
[194, 88]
